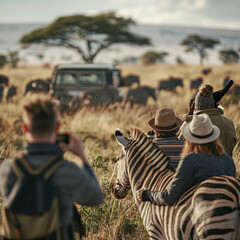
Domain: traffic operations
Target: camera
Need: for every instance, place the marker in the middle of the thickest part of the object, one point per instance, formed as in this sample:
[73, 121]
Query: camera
[62, 138]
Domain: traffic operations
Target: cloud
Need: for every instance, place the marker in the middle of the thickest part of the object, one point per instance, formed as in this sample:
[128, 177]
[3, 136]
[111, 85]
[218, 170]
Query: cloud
[192, 5]
[179, 12]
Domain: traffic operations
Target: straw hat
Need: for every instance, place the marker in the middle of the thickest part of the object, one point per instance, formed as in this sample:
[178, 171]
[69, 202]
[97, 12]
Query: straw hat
[200, 130]
[165, 120]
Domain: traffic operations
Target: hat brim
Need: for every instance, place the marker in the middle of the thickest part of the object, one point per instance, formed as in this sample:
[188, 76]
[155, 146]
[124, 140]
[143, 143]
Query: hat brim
[151, 123]
[187, 135]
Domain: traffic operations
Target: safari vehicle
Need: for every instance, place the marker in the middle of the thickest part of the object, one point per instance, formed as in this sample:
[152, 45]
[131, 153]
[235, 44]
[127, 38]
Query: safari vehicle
[70, 80]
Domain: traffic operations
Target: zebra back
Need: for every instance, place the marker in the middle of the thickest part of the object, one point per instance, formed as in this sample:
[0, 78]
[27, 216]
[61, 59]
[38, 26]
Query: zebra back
[209, 210]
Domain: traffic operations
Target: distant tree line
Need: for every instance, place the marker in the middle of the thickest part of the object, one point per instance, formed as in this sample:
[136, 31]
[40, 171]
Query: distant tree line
[89, 35]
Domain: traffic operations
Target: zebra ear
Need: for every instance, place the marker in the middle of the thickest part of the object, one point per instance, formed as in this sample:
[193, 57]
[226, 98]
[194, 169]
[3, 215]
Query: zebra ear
[121, 139]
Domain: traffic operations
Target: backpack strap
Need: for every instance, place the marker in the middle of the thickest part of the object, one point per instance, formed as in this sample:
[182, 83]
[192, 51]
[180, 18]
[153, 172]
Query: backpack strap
[22, 167]
[17, 170]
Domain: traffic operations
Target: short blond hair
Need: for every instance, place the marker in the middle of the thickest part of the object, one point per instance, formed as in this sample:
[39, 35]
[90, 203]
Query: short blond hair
[40, 114]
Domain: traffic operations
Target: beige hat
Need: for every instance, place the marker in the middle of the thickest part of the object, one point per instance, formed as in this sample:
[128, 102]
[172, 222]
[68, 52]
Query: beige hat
[165, 120]
[200, 130]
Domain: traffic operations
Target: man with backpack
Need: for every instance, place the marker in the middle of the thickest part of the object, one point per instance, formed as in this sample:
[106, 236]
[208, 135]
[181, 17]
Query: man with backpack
[38, 186]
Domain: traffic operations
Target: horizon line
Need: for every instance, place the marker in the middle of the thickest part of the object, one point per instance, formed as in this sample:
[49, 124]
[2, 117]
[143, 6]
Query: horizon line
[141, 23]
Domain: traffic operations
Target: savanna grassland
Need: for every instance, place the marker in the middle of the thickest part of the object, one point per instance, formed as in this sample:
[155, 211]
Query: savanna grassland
[113, 219]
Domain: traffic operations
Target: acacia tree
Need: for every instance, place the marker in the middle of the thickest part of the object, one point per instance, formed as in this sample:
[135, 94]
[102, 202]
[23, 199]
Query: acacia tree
[88, 35]
[229, 56]
[196, 43]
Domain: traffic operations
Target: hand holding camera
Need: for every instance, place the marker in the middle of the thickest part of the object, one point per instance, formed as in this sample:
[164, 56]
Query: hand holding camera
[73, 144]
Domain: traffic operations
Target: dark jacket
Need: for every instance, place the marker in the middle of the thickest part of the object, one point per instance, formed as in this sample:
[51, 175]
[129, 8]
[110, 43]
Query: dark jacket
[75, 183]
[192, 169]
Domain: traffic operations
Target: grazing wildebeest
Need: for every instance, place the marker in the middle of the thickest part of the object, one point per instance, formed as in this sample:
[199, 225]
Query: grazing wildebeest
[166, 85]
[235, 90]
[209, 210]
[100, 98]
[206, 71]
[37, 85]
[195, 84]
[139, 95]
[1, 92]
[4, 79]
[11, 91]
[170, 84]
[129, 80]
[177, 81]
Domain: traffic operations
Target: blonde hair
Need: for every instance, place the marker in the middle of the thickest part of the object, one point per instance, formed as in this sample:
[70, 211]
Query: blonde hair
[40, 114]
[214, 147]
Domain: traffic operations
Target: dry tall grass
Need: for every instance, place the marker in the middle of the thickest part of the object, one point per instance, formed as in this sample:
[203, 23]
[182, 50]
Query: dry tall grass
[113, 219]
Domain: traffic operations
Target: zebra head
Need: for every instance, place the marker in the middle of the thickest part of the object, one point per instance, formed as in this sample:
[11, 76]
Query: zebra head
[140, 165]
[121, 186]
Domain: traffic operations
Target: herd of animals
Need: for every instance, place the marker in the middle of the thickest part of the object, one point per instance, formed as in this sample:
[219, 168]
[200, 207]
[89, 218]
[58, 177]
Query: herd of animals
[105, 97]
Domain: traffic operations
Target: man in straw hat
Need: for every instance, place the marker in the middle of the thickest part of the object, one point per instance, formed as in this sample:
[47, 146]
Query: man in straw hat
[205, 103]
[203, 157]
[166, 125]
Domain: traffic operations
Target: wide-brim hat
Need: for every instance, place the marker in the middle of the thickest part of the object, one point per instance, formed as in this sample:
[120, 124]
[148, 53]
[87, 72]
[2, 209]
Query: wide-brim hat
[165, 120]
[200, 130]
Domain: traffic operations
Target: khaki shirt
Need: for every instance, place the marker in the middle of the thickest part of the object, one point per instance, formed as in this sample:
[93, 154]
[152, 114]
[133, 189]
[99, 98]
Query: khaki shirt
[227, 130]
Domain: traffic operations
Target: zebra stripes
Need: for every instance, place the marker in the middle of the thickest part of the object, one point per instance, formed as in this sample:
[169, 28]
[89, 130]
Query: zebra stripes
[209, 210]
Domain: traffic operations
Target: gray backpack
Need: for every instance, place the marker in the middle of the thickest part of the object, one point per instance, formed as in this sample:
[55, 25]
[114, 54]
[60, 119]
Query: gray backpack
[31, 210]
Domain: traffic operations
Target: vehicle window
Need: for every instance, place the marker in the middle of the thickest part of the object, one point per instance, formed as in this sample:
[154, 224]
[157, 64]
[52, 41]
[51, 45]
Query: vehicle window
[66, 79]
[92, 79]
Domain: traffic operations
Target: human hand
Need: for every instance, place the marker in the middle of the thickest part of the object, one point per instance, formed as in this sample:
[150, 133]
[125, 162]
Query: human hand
[191, 106]
[75, 146]
[139, 194]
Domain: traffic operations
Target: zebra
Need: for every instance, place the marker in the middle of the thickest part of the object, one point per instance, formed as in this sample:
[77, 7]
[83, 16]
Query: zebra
[209, 210]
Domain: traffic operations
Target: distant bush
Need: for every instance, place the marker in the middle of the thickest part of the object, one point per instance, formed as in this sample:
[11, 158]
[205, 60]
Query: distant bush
[179, 60]
[3, 60]
[13, 58]
[229, 56]
[153, 57]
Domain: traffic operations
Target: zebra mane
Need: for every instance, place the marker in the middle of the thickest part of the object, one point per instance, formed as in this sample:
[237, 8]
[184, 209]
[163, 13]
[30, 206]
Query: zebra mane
[135, 134]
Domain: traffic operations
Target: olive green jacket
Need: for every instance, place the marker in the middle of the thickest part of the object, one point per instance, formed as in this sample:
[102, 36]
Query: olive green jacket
[227, 130]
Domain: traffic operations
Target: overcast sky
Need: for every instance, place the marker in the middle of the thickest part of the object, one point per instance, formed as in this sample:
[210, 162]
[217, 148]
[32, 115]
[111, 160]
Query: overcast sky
[205, 13]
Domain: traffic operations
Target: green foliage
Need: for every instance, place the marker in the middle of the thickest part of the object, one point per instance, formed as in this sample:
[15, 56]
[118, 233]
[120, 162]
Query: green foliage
[3, 60]
[153, 57]
[13, 58]
[199, 44]
[97, 32]
[229, 56]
